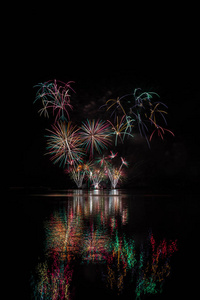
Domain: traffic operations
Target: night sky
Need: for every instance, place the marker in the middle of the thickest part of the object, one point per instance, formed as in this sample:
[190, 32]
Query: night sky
[104, 65]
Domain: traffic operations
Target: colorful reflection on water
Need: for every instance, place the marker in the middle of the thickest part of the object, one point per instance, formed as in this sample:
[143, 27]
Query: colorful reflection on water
[89, 230]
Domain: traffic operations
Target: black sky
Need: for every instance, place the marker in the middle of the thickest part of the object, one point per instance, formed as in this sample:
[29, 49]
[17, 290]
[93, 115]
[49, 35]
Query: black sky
[100, 60]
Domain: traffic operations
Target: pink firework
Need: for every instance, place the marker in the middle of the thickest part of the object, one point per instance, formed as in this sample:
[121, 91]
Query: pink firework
[124, 162]
[160, 130]
[112, 155]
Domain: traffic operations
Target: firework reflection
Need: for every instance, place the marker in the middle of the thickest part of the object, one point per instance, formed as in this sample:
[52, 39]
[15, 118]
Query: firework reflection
[89, 230]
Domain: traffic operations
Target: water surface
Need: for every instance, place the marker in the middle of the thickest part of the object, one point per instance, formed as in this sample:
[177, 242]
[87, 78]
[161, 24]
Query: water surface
[103, 243]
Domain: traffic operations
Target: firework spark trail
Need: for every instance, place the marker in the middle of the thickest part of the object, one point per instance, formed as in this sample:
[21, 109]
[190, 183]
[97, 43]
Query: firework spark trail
[117, 103]
[96, 176]
[112, 155]
[142, 127]
[114, 174]
[78, 173]
[64, 144]
[144, 110]
[155, 110]
[55, 96]
[95, 135]
[160, 130]
[143, 97]
[137, 100]
[129, 124]
[67, 144]
[120, 129]
[107, 168]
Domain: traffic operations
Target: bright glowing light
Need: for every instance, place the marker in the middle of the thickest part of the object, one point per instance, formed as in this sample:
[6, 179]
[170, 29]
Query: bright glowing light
[112, 155]
[95, 135]
[68, 144]
[64, 144]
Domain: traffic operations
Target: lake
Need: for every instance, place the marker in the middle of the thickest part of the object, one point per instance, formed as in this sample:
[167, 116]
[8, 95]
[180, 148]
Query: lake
[101, 244]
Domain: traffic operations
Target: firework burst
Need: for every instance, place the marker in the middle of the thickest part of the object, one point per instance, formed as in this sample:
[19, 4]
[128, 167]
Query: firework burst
[67, 144]
[96, 176]
[77, 173]
[116, 104]
[64, 144]
[95, 135]
[114, 174]
[55, 96]
[120, 130]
